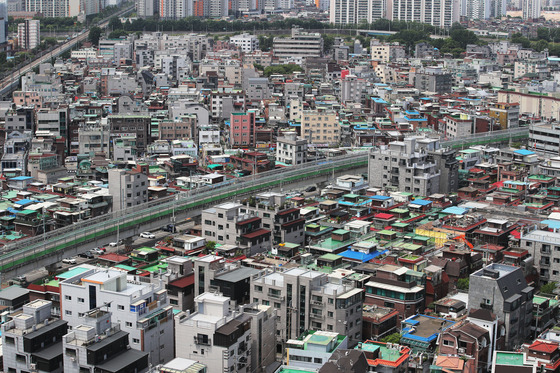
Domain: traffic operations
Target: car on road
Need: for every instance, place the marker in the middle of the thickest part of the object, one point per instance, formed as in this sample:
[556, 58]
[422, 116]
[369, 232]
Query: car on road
[97, 251]
[87, 255]
[147, 235]
[20, 280]
[114, 244]
[69, 261]
[311, 188]
[169, 228]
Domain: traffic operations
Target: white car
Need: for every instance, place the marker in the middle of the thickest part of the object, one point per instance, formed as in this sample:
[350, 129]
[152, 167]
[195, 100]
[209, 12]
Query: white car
[69, 261]
[147, 235]
[97, 251]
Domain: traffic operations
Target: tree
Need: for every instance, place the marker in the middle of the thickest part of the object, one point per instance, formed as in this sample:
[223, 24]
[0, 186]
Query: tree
[548, 288]
[328, 42]
[115, 24]
[265, 42]
[463, 284]
[392, 338]
[94, 35]
[210, 246]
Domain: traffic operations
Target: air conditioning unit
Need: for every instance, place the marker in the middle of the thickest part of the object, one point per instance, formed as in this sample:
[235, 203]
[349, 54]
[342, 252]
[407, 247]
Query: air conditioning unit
[32, 366]
[72, 359]
[461, 350]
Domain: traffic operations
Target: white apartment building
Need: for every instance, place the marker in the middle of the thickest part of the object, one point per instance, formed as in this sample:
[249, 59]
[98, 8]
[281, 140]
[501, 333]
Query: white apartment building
[142, 309]
[128, 188]
[53, 8]
[306, 300]
[175, 9]
[441, 13]
[84, 54]
[386, 52]
[246, 42]
[531, 9]
[300, 45]
[354, 11]
[215, 335]
[291, 150]
[145, 8]
[29, 34]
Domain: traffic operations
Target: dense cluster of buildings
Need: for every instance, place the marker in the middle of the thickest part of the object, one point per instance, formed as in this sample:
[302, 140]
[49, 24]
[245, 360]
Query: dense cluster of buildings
[431, 260]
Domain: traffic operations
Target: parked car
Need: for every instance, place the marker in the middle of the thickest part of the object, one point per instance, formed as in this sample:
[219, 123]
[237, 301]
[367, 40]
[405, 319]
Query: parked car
[311, 188]
[147, 235]
[87, 255]
[97, 251]
[69, 261]
[169, 228]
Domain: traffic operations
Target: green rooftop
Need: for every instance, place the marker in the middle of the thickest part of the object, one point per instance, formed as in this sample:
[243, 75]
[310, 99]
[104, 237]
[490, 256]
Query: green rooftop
[385, 353]
[400, 225]
[330, 257]
[27, 212]
[340, 231]
[540, 177]
[399, 211]
[155, 267]
[313, 225]
[125, 267]
[509, 358]
[53, 283]
[71, 273]
[386, 232]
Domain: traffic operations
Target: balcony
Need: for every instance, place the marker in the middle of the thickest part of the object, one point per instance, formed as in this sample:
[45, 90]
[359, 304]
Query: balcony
[202, 341]
[276, 296]
[317, 316]
[317, 302]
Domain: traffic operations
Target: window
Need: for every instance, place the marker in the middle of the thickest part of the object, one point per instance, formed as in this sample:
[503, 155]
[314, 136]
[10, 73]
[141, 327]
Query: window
[69, 313]
[67, 297]
[120, 307]
[135, 340]
[448, 343]
[128, 324]
[81, 300]
[20, 358]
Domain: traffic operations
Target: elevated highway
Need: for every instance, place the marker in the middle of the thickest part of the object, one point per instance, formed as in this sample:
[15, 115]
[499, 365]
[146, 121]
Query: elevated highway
[11, 82]
[22, 256]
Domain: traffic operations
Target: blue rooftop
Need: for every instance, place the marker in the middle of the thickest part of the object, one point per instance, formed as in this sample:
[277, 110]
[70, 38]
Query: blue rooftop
[21, 178]
[421, 202]
[356, 255]
[554, 224]
[24, 202]
[378, 100]
[380, 198]
[523, 152]
[455, 210]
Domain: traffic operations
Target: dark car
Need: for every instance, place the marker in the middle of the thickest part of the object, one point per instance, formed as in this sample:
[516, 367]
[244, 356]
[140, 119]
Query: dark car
[87, 255]
[311, 188]
[169, 228]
